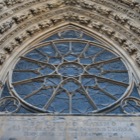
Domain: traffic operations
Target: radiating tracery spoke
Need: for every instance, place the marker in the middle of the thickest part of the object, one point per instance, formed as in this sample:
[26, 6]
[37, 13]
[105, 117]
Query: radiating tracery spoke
[72, 76]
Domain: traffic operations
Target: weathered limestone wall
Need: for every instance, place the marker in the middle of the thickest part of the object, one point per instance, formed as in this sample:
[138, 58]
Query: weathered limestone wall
[69, 128]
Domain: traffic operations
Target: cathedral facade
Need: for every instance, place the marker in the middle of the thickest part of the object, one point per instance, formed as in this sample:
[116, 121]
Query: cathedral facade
[69, 69]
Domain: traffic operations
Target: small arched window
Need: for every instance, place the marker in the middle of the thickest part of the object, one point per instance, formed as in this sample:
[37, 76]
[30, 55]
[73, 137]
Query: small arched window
[70, 72]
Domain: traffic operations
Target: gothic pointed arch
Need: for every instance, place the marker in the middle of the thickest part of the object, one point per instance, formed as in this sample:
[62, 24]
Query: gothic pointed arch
[92, 23]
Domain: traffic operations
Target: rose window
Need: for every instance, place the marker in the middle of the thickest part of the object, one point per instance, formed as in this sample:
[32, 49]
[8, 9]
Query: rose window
[70, 73]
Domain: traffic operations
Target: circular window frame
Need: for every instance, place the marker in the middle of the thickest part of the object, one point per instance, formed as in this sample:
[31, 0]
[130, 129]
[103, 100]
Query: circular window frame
[106, 109]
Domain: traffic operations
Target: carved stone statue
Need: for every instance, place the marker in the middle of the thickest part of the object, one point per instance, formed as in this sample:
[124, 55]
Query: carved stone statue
[97, 25]
[54, 5]
[86, 5]
[84, 20]
[2, 58]
[1, 84]
[11, 47]
[138, 58]
[117, 37]
[70, 16]
[20, 18]
[137, 8]
[12, 2]
[45, 24]
[21, 37]
[2, 6]
[33, 30]
[104, 11]
[57, 19]
[121, 19]
[71, 2]
[6, 26]
[75, 17]
[131, 3]
[108, 31]
[135, 28]
[129, 47]
[38, 10]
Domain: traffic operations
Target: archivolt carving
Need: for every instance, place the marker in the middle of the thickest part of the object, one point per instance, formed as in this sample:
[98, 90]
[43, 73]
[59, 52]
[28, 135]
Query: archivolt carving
[118, 32]
[74, 18]
[121, 19]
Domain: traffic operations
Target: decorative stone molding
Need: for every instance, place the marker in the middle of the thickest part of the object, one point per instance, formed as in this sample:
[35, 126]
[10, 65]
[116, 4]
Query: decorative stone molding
[115, 25]
[121, 19]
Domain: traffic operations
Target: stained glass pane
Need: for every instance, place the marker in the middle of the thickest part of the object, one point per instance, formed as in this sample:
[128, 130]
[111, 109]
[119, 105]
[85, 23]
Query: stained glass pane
[72, 75]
